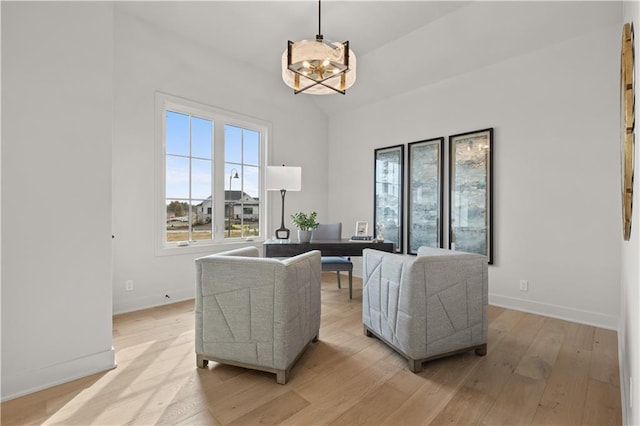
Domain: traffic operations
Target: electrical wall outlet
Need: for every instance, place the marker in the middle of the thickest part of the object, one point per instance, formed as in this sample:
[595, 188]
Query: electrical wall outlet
[524, 285]
[128, 285]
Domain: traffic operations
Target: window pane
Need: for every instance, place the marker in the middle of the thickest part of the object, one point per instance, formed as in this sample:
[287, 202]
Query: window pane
[233, 218]
[251, 204]
[233, 178]
[177, 177]
[232, 200]
[251, 221]
[202, 220]
[251, 181]
[177, 220]
[200, 179]
[177, 133]
[201, 137]
[251, 147]
[232, 144]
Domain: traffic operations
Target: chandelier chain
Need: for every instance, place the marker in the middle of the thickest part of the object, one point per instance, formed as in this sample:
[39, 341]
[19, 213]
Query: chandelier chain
[319, 17]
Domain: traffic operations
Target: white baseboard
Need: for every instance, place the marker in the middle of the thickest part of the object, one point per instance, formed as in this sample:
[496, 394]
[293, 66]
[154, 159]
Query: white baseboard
[22, 383]
[624, 382]
[596, 319]
[151, 301]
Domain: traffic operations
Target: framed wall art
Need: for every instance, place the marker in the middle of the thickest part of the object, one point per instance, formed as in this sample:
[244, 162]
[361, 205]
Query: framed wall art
[425, 193]
[388, 194]
[627, 124]
[470, 194]
[362, 229]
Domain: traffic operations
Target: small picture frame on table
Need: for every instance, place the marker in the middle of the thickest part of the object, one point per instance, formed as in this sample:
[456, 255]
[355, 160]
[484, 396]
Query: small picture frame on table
[362, 229]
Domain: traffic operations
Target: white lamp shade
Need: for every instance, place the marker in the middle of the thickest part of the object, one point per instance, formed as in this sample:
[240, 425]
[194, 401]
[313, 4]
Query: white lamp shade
[284, 177]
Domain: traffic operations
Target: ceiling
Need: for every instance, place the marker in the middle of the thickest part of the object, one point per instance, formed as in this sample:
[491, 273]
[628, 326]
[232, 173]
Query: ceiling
[400, 45]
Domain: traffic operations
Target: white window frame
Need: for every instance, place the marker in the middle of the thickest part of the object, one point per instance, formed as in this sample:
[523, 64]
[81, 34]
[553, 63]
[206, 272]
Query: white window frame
[220, 118]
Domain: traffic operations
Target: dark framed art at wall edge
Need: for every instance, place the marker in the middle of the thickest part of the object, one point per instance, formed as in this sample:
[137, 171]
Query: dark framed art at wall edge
[627, 125]
[388, 197]
[425, 194]
[470, 192]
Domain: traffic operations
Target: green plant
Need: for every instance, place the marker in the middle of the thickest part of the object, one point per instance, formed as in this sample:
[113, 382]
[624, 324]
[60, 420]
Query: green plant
[304, 222]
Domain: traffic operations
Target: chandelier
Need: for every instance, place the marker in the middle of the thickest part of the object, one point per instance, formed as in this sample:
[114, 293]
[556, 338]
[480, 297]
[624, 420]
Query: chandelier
[318, 67]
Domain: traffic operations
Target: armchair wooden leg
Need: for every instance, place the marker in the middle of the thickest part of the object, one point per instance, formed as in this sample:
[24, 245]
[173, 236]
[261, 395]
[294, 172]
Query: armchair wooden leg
[367, 332]
[338, 274]
[201, 362]
[350, 285]
[415, 365]
[481, 351]
[315, 339]
[281, 377]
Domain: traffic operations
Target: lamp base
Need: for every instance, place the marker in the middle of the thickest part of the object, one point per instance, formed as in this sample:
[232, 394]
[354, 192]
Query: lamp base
[282, 233]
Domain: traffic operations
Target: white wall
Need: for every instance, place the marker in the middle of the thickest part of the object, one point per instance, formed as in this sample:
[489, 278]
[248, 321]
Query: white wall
[556, 168]
[65, 69]
[629, 333]
[56, 193]
[149, 59]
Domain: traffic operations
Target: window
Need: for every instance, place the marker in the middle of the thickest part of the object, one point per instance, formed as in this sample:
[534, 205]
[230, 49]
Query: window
[188, 144]
[212, 168]
[242, 162]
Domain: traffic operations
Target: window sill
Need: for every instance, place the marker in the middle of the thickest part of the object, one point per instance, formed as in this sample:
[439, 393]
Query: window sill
[208, 248]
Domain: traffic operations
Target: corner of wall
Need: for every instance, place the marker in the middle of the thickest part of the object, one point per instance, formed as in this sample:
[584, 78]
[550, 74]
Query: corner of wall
[629, 327]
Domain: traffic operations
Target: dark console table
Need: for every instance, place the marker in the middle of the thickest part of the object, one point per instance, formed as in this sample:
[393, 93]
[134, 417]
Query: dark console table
[274, 248]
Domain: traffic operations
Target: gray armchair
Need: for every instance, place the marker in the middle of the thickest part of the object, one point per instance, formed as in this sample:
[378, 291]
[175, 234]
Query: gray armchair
[258, 313]
[426, 306]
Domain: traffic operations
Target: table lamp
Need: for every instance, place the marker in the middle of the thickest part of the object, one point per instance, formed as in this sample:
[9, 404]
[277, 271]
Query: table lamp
[283, 179]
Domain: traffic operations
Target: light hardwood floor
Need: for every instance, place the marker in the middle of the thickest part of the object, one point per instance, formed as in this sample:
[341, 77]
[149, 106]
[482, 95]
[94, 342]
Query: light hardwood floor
[538, 370]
